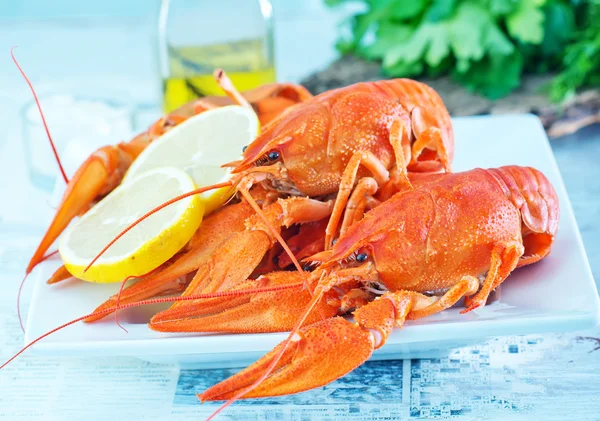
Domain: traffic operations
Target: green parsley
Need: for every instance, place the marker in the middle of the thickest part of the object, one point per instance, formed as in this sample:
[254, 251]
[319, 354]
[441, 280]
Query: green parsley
[487, 45]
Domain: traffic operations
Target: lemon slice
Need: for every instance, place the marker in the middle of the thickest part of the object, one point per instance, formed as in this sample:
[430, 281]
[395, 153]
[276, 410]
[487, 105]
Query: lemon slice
[144, 247]
[199, 146]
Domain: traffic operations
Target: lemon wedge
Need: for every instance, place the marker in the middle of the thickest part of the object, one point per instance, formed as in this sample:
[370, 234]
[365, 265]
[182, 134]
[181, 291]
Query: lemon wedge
[147, 245]
[199, 146]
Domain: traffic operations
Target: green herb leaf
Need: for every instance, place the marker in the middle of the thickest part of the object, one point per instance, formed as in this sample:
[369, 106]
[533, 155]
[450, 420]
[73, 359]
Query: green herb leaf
[495, 76]
[527, 22]
[466, 31]
[559, 25]
[413, 49]
[388, 35]
[496, 42]
[440, 10]
[439, 47]
[502, 7]
[485, 44]
[407, 9]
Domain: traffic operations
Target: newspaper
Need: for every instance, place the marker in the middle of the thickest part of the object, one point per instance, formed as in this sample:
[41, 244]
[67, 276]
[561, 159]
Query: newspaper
[545, 377]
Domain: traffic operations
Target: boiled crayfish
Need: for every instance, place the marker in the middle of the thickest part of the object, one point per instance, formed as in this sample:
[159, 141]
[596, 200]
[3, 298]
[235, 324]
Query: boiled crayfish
[393, 235]
[105, 168]
[452, 236]
[378, 132]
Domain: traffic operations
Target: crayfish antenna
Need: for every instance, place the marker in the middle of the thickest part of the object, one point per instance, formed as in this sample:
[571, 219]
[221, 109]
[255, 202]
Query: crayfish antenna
[244, 192]
[118, 301]
[19, 302]
[153, 301]
[37, 102]
[21, 290]
[152, 212]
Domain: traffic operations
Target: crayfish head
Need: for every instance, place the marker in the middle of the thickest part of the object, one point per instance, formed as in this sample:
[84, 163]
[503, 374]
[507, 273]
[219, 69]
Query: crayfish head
[349, 259]
[266, 166]
[299, 141]
[271, 177]
[269, 147]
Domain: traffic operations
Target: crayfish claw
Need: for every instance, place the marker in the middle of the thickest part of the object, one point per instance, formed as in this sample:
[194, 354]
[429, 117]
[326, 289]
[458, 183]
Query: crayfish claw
[317, 355]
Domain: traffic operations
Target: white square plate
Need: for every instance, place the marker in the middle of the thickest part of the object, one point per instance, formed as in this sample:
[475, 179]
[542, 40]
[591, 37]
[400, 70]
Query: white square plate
[557, 294]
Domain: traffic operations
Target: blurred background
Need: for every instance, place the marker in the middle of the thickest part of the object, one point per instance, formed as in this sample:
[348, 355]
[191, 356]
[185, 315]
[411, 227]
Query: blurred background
[95, 41]
[97, 69]
[105, 70]
[531, 55]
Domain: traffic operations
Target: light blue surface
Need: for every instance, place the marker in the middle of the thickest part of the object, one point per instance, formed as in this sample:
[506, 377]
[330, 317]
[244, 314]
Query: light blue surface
[577, 156]
[57, 9]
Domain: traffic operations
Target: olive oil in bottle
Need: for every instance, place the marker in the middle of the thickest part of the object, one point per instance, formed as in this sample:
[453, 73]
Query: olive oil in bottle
[241, 43]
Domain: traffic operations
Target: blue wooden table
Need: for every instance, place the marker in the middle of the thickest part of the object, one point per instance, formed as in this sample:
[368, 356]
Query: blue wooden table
[577, 156]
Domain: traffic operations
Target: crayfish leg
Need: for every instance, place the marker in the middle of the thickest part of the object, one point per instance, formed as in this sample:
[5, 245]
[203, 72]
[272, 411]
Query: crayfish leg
[380, 175]
[468, 285]
[430, 138]
[505, 257]
[229, 88]
[269, 101]
[400, 141]
[355, 209]
[59, 275]
[308, 241]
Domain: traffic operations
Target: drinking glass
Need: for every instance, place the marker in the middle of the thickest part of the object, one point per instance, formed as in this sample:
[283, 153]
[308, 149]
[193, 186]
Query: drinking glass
[79, 124]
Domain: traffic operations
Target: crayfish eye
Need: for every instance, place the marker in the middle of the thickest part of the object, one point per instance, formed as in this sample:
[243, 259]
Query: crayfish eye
[361, 257]
[244, 148]
[273, 155]
[307, 268]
